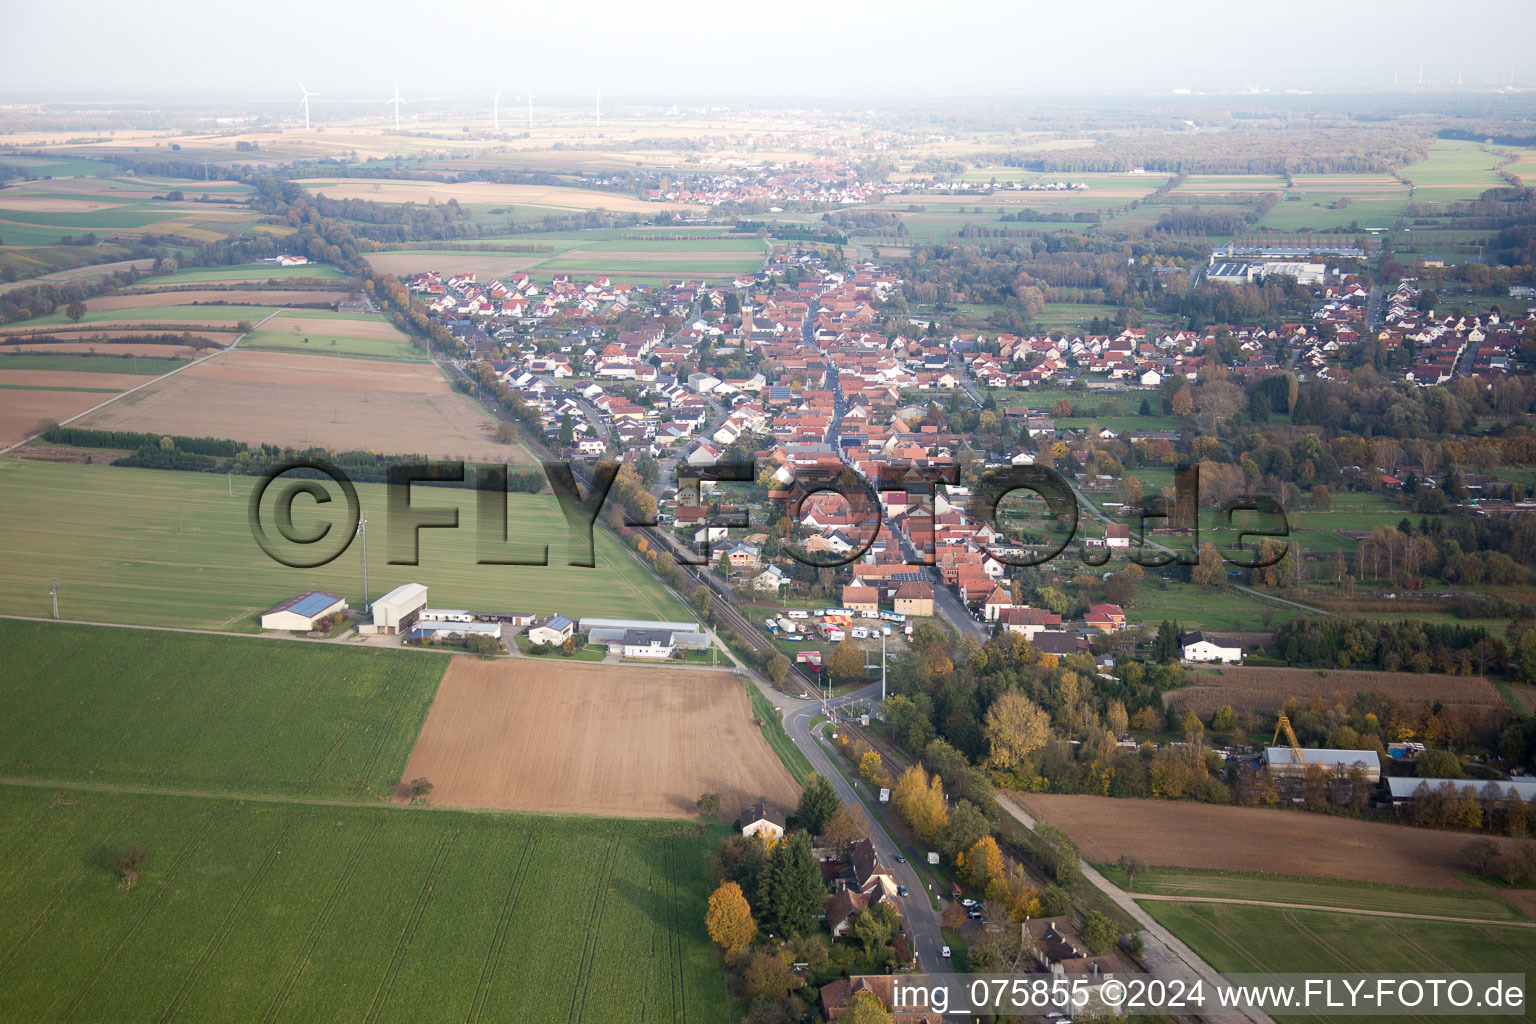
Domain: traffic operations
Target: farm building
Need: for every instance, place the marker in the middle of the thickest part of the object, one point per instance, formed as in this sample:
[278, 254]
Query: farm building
[588, 625]
[762, 820]
[647, 643]
[1203, 646]
[443, 629]
[618, 640]
[399, 608]
[301, 613]
[1282, 762]
[1406, 790]
[553, 629]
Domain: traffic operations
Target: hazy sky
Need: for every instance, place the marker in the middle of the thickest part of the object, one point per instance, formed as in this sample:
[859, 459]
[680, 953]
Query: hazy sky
[713, 52]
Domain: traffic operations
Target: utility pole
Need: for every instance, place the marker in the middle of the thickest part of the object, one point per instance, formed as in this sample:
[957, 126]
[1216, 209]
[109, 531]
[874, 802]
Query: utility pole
[362, 531]
[54, 591]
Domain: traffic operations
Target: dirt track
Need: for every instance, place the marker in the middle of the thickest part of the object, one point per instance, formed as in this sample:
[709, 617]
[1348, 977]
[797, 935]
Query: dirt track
[1176, 834]
[590, 739]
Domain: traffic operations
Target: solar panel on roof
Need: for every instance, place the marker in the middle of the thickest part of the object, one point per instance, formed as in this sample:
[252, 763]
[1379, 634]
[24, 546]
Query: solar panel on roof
[313, 604]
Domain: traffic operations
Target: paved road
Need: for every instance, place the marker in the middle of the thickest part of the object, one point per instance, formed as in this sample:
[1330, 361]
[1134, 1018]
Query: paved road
[1163, 953]
[922, 921]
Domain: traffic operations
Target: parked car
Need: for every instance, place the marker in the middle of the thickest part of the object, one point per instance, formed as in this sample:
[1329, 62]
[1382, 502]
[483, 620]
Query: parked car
[901, 890]
[967, 902]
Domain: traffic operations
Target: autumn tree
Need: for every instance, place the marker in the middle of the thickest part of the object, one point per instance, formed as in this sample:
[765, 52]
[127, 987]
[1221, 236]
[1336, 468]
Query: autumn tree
[777, 669]
[982, 863]
[1479, 855]
[1132, 865]
[1016, 727]
[129, 860]
[920, 802]
[846, 661]
[872, 768]
[843, 829]
[729, 919]
[1119, 721]
[1183, 404]
[767, 976]
[865, 1008]
[708, 805]
[1208, 571]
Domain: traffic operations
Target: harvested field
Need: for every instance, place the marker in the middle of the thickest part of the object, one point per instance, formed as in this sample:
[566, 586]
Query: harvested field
[631, 742]
[86, 348]
[67, 379]
[304, 400]
[22, 411]
[1283, 842]
[1267, 689]
[369, 330]
[51, 204]
[106, 339]
[252, 296]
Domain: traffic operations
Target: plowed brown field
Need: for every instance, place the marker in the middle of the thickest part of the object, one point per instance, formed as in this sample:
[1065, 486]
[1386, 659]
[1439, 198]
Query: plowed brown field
[301, 400]
[1267, 689]
[519, 734]
[242, 296]
[1172, 833]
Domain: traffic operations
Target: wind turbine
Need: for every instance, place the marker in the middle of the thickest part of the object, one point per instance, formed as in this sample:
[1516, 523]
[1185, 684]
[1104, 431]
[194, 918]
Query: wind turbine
[530, 111]
[496, 112]
[396, 100]
[305, 103]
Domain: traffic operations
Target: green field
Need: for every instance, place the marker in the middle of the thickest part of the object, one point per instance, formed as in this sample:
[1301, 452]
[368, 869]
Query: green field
[331, 344]
[244, 272]
[215, 714]
[1454, 172]
[1241, 939]
[57, 166]
[273, 910]
[88, 363]
[1322, 892]
[1195, 607]
[175, 549]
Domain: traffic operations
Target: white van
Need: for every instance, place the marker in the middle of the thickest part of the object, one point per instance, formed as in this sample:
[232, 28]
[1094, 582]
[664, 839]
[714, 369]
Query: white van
[799, 613]
[860, 633]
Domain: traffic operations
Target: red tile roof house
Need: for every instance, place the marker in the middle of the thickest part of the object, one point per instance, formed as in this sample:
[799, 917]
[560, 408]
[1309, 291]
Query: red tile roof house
[1029, 621]
[861, 598]
[838, 998]
[1106, 618]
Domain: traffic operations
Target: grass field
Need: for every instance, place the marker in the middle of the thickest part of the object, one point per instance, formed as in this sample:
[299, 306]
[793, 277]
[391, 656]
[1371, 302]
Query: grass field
[1240, 939]
[144, 708]
[331, 343]
[299, 912]
[1195, 607]
[1455, 171]
[1322, 892]
[138, 365]
[773, 731]
[166, 548]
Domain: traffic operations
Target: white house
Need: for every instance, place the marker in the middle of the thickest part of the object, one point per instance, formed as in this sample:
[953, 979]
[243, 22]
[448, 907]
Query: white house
[648, 643]
[762, 820]
[553, 630]
[1202, 646]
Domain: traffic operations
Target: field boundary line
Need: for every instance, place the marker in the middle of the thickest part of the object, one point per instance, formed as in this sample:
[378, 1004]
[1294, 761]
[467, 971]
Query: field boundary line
[1326, 909]
[124, 394]
[499, 935]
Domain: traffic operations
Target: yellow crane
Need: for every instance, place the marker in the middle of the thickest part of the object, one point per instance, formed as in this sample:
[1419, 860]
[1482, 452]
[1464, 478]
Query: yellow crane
[1283, 724]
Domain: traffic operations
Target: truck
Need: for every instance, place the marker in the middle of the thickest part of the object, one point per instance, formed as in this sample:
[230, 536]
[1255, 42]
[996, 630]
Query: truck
[860, 633]
[834, 634]
[787, 626]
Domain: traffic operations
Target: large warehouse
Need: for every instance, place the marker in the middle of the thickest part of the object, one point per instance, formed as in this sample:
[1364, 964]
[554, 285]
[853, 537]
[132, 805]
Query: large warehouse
[301, 613]
[396, 610]
[1282, 762]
